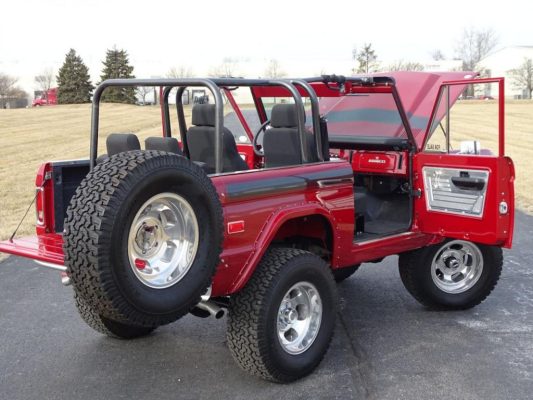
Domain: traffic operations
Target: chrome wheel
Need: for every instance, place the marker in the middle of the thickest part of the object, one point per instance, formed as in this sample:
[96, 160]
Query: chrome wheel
[299, 318]
[457, 266]
[163, 240]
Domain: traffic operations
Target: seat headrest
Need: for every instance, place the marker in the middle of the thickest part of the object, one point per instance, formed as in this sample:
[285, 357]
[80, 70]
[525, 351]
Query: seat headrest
[203, 115]
[284, 116]
[168, 144]
[120, 142]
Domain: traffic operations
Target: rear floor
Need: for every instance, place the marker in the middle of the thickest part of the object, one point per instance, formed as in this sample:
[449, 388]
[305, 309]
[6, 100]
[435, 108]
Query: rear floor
[384, 214]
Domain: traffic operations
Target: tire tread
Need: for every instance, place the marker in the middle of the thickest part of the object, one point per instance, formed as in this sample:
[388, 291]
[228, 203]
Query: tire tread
[88, 224]
[409, 265]
[108, 328]
[245, 334]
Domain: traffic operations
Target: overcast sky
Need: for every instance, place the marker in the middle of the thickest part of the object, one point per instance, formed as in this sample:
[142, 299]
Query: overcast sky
[307, 37]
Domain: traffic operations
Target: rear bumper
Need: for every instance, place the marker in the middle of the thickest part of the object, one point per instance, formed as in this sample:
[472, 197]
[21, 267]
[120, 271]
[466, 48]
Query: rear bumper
[46, 248]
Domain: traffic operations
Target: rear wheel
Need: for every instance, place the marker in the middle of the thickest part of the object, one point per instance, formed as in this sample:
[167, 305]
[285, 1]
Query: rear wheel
[281, 324]
[453, 275]
[143, 236]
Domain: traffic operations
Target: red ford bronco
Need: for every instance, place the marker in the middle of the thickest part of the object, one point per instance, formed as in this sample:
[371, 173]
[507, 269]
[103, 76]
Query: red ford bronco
[337, 172]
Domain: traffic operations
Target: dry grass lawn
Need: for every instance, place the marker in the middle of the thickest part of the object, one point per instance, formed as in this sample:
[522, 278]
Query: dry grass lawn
[30, 136]
[478, 120]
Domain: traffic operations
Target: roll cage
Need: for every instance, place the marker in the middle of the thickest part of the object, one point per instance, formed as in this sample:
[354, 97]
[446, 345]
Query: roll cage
[313, 88]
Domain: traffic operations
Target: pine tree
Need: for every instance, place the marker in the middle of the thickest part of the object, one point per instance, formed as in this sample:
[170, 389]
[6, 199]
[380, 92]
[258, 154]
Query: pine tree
[73, 81]
[116, 65]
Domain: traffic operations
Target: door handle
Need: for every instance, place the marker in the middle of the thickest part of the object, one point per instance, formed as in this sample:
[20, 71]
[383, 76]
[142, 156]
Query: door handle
[466, 183]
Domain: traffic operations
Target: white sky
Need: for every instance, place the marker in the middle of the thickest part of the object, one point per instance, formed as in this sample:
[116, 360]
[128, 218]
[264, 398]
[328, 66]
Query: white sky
[306, 37]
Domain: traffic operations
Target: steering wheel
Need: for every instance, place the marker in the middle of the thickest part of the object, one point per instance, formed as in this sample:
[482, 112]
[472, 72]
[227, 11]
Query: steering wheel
[255, 145]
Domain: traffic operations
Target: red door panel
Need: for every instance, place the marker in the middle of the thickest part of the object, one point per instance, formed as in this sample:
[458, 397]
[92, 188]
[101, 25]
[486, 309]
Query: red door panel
[467, 197]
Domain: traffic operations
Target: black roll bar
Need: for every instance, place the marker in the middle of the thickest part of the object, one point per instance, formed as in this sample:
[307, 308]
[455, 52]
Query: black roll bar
[181, 118]
[221, 82]
[315, 114]
[219, 112]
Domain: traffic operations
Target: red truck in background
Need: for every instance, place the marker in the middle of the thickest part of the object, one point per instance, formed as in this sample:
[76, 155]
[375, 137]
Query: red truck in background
[45, 98]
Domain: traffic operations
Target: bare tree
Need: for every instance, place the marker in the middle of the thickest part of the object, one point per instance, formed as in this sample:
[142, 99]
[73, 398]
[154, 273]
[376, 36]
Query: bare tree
[437, 55]
[274, 70]
[474, 45]
[523, 76]
[226, 69]
[402, 65]
[367, 59]
[45, 80]
[8, 88]
[144, 91]
[181, 71]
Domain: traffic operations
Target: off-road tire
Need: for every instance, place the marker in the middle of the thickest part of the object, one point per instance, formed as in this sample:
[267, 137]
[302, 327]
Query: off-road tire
[415, 273]
[96, 232]
[341, 274]
[252, 317]
[106, 326]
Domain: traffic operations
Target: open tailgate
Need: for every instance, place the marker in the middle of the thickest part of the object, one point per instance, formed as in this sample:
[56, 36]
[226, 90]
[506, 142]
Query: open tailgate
[47, 248]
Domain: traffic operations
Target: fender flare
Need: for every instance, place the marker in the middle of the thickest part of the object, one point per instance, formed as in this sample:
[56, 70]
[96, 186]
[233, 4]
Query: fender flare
[269, 231]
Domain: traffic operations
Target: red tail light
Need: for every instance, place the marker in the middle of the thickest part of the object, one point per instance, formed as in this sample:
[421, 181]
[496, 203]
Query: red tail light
[44, 200]
[39, 206]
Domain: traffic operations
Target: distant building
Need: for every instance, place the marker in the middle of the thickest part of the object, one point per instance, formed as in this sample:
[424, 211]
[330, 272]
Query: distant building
[500, 62]
[13, 102]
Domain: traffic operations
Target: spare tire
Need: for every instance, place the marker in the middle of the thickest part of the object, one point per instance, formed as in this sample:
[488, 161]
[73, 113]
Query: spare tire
[143, 236]
[106, 326]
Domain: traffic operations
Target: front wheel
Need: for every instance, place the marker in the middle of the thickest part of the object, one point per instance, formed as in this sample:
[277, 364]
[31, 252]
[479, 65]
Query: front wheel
[281, 324]
[452, 275]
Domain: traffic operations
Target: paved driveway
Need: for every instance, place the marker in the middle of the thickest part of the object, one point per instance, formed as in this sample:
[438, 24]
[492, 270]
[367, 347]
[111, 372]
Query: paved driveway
[386, 345]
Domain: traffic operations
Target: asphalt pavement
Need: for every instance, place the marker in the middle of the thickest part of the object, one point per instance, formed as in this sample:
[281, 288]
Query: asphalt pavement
[386, 345]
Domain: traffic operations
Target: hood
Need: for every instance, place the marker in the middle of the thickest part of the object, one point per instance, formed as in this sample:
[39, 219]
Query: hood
[418, 92]
[374, 114]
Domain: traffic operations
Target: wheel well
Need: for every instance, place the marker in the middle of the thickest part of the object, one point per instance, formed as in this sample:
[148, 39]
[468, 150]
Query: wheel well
[311, 232]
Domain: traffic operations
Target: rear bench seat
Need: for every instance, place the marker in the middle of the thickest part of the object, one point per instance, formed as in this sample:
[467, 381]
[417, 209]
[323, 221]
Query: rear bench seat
[167, 144]
[118, 143]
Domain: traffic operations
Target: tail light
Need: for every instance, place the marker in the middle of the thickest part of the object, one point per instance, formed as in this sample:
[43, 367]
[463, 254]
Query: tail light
[44, 200]
[39, 206]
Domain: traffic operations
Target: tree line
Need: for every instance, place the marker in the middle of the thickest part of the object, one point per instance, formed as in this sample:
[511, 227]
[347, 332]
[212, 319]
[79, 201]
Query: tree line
[74, 82]
[471, 48]
[75, 86]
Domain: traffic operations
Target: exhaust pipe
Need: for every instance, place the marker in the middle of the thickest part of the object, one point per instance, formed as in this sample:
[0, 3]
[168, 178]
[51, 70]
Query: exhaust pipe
[211, 308]
[65, 279]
